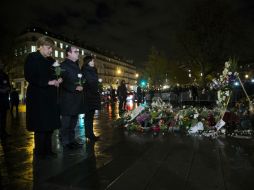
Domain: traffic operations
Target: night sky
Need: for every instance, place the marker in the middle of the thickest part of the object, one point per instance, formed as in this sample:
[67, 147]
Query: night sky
[128, 27]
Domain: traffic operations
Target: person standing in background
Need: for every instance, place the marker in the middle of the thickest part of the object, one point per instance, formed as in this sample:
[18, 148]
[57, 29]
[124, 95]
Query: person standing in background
[14, 99]
[42, 110]
[4, 100]
[122, 96]
[139, 95]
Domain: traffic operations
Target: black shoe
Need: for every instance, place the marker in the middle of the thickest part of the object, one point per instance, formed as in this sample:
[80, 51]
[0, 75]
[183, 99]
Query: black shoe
[77, 144]
[94, 138]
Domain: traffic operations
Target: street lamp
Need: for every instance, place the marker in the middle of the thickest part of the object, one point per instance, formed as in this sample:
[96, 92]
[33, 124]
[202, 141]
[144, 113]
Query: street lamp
[137, 75]
[119, 71]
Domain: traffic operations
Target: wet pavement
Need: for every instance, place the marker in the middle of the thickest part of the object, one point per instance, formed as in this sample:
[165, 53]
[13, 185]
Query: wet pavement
[122, 160]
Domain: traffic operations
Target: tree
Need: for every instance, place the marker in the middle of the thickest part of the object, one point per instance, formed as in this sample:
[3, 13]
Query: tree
[209, 37]
[156, 68]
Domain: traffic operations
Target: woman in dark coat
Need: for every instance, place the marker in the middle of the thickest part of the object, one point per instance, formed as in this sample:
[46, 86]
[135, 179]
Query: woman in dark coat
[42, 113]
[91, 95]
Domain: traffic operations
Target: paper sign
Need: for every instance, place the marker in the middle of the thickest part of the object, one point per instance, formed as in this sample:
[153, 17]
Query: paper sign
[220, 124]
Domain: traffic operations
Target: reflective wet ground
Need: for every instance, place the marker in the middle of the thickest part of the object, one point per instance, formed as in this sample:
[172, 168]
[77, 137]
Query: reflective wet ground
[122, 160]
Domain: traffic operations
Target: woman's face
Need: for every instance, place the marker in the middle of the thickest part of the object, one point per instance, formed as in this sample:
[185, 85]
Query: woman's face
[46, 50]
[91, 63]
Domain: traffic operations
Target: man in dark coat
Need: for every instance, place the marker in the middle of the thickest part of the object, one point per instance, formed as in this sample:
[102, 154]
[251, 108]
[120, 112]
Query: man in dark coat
[42, 111]
[139, 95]
[91, 94]
[122, 96]
[14, 98]
[71, 98]
[4, 101]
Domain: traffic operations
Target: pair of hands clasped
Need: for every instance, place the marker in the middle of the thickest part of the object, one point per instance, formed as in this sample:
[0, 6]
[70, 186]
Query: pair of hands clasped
[57, 82]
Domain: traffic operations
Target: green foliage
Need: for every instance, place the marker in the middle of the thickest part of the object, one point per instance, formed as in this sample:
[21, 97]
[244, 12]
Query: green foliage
[156, 67]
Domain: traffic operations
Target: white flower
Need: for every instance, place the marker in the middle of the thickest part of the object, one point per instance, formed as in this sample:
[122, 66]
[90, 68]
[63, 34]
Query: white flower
[56, 64]
[227, 64]
[225, 71]
[80, 75]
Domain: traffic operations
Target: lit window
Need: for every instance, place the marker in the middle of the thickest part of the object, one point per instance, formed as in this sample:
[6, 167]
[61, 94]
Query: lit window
[62, 55]
[33, 48]
[82, 52]
[55, 43]
[61, 45]
[56, 53]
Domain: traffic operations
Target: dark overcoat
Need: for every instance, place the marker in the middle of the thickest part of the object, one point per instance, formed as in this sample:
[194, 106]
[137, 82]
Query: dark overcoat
[42, 110]
[71, 101]
[91, 88]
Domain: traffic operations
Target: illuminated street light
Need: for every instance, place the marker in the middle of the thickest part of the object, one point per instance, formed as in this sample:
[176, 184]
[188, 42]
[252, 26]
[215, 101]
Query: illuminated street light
[137, 75]
[119, 71]
[246, 76]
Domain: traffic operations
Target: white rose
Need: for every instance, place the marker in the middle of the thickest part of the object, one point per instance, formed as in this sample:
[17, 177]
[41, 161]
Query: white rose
[56, 64]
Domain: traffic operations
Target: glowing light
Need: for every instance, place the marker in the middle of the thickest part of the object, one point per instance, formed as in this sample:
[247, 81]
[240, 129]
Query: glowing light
[137, 75]
[119, 71]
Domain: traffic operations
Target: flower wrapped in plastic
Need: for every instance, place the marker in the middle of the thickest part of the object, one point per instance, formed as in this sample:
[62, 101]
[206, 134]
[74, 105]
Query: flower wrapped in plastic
[57, 68]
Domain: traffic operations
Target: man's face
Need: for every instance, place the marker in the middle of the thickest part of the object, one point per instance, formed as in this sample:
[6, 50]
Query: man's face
[73, 54]
[46, 50]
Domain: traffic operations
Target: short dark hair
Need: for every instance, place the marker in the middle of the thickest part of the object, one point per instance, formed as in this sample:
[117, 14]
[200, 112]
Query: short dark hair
[67, 49]
[87, 59]
[122, 82]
